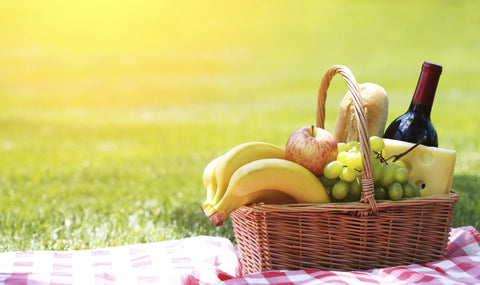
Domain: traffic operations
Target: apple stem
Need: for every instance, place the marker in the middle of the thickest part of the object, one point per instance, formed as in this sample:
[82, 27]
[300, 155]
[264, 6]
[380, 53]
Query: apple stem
[313, 131]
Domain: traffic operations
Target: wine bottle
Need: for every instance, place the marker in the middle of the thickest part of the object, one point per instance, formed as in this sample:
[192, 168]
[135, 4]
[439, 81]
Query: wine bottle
[415, 125]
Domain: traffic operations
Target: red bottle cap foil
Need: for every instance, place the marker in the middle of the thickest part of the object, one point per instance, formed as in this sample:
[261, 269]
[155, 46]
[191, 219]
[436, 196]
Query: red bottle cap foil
[432, 67]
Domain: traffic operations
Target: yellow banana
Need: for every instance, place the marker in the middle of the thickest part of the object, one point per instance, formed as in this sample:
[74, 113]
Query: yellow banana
[265, 196]
[268, 174]
[239, 156]
[210, 181]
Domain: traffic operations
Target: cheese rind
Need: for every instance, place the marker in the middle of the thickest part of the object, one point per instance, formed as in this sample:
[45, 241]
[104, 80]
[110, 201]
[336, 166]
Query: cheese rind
[431, 168]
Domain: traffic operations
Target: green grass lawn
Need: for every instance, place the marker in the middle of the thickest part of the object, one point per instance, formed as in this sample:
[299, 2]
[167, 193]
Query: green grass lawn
[108, 117]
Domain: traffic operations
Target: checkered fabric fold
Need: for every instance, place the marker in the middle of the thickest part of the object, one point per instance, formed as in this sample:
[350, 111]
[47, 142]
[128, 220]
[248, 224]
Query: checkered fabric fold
[214, 260]
[197, 260]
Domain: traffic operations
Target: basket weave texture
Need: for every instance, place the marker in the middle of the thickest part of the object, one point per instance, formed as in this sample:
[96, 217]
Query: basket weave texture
[344, 236]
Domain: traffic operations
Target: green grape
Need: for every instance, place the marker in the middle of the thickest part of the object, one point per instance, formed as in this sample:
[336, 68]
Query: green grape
[400, 164]
[375, 161]
[354, 160]
[401, 175]
[340, 190]
[395, 166]
[333, 169]
[327, 182]
[395, 191]
[377, 144]
[388, 175]
[377, 170]
[343, 157]
[348, 174]
[350, 159]
[380, 193]
[351, 144]
[410, 190]
[341, 146]
[355, 149]
[356, 188]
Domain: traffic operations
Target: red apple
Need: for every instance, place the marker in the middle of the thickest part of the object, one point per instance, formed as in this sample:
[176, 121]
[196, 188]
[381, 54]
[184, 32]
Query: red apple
[312, 148]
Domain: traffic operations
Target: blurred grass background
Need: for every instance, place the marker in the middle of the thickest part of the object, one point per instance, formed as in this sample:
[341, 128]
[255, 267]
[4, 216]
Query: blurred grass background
[110, 110]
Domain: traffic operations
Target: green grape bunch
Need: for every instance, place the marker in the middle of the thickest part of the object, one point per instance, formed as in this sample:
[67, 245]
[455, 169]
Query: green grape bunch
[342, 177]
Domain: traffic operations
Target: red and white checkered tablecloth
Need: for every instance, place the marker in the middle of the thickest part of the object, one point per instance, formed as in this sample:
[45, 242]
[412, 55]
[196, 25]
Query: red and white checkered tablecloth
[461, 266]
[198, 260]
[213, 260]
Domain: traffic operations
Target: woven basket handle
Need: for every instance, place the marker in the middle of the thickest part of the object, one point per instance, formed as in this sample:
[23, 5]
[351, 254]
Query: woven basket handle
[368, 192]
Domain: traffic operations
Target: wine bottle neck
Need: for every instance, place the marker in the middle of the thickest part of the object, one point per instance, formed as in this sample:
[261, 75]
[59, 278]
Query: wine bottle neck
[427, 84]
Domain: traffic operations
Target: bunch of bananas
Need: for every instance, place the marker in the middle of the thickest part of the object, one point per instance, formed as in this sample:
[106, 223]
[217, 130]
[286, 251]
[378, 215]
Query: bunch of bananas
[254, 172]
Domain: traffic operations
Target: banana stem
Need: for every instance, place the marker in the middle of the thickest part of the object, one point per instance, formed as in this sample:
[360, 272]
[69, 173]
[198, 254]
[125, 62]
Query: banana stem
[217, 218]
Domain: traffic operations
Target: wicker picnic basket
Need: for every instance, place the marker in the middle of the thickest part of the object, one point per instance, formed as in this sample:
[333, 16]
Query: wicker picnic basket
[344, 236]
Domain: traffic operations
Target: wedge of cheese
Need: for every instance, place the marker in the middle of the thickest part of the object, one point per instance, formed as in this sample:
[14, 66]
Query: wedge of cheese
[431, 168]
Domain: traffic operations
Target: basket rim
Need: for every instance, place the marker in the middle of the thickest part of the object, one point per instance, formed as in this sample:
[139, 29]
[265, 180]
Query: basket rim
[351, 206]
